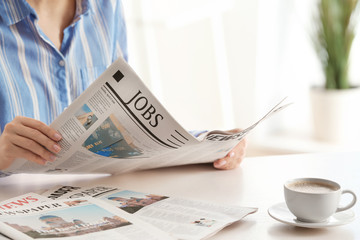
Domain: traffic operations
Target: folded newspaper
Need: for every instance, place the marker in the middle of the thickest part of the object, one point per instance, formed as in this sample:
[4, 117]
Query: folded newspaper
[106, 212]
[83, 218]
[117, 125]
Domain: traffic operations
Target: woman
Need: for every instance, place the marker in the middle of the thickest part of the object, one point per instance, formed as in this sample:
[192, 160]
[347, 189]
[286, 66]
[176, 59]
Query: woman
[50, 51]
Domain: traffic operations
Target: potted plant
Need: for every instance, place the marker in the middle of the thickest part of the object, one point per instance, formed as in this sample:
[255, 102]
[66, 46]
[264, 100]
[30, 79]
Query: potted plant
[336, 118]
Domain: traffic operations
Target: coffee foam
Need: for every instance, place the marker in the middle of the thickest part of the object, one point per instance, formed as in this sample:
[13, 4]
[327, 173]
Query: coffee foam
[311, 187]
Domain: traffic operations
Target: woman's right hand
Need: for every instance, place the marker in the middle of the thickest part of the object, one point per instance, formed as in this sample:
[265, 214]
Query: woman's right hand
[30, 139]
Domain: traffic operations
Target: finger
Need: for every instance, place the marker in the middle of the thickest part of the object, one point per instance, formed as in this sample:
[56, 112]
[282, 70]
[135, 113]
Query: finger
[240, 149]
[220, 163]
[244, 143]
[235, 130]
[226, 162]
[30, 156]
[33, 147]
[14, 152]
[233, 158]
[39, 137]
[40, 126]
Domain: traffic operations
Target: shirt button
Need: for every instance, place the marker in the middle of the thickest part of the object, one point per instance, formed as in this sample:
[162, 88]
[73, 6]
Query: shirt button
[61, 73]
[62, 63]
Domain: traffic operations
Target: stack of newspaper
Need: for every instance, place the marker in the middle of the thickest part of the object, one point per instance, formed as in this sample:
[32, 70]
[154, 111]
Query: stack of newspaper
[117, 125]
[106, 212]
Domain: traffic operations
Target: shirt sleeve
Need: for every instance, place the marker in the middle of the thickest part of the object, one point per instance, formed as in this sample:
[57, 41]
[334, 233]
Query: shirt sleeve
[4, 174]
[197, 133]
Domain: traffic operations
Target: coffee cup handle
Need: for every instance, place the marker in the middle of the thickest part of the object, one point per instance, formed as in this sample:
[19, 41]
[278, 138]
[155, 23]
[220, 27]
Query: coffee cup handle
[351, 204]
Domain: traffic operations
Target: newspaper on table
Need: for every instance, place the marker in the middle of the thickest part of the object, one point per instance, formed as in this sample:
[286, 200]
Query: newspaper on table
[3, 237]
[18, 202]
[22, 200]
[83, 218]
[117, 125]
[181, 218]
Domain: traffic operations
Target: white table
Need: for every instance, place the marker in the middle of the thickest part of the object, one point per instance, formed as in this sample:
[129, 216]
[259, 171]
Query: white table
[257, 183]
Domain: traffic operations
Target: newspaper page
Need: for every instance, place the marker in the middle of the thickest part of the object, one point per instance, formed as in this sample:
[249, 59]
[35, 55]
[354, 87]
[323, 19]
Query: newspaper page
[83, 218]
[3, 237]
[182, 218]
[117, 125]
[20, 201]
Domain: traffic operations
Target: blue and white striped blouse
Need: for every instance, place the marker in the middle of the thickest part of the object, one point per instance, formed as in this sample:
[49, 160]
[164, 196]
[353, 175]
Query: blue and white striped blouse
[39, 81]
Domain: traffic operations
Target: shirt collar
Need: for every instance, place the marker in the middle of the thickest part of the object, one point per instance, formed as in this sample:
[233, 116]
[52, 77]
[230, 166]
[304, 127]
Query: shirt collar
[83, 7]
[14, 11]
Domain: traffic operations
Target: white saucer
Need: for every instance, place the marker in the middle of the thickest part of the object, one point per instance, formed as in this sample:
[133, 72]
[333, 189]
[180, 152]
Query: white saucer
[281, 213]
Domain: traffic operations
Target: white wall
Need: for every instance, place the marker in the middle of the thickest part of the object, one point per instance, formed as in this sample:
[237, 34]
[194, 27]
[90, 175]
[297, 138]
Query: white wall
[198, 57]
[287, 63]
[219, 64]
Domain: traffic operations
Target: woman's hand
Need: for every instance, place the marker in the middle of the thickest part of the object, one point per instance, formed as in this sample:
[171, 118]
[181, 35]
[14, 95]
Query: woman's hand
[234, 157]
[30, 139]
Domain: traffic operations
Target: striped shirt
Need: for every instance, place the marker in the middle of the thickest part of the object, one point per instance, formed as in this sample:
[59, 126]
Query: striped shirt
[36, 79]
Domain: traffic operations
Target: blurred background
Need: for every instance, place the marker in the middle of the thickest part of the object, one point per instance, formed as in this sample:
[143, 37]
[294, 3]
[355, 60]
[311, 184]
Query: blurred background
[221, 64]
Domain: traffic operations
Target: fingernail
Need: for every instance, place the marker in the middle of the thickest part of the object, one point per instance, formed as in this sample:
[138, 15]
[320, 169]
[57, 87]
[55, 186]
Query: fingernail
[52, 157]
[57, 148]
[221, 163]
[57, 136]
[232, 154]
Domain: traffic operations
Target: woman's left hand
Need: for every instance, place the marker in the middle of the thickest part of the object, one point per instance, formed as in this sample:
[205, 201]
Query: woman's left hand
[234, 157]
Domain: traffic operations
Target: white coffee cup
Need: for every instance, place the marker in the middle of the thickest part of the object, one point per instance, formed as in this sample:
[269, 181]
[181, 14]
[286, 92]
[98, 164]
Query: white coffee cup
[314, 199]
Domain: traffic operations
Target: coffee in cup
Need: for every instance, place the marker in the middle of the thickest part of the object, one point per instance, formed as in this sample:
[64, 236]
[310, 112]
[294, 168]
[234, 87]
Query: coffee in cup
[314, 199]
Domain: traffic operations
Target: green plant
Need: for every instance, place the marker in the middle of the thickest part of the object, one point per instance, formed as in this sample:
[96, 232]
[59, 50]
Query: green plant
[334, 37]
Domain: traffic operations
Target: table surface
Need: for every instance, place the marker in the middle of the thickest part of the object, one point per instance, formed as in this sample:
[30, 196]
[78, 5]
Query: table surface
[258, 182]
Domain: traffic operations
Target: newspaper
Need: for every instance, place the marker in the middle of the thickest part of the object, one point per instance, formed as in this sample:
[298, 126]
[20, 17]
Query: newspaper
[20, 201]
[117, 125]
[23, 200]
[3, 237]
[83, 218]
[181, 218]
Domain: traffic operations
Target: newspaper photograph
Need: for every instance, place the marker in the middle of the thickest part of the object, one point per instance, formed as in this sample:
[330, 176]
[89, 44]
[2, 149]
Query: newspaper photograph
[181, 218]
[83, 218]
[117, 125]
